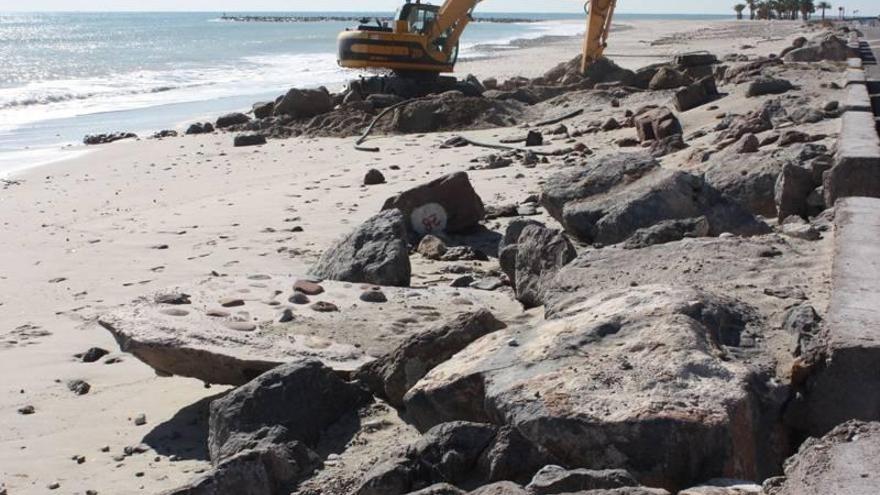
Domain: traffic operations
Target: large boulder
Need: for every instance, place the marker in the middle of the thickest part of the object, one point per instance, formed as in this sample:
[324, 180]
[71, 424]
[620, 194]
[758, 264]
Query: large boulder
[656, 124]
[768, 86]
[377, 252]
[828, 48]
[750, 178]
[294, 402]
[532, 256]
[231, 119]
[668, 78]
[187, 331]
[620, 381]
[448, 204]
[304, 103]
[392, 375]
[609, 201]
[793, 187]
[696, 94]
[845, 461]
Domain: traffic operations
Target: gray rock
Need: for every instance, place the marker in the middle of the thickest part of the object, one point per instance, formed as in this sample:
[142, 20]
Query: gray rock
[656, 124]
[263, 110]
[611, 200]
[792, 136]
[747, 144]
[556, 479]
[374, 253]
[500, 488]
[249, 139]
[749, 179]
[768, 86]
[200, 128]
[231, 119]
[373, 177]
[724, 487]
[668, 78]
[667, 145]
[584, 387]
[540, 253]
[829, 48]
[294, 402]
[93, 354]
[432, 247]
[845, 461]
[668, 231]
[391, 376]
[304, 103]
[696, 94]
[439, 489]
[793, 187]
[267, 470]
[461, 209]
[201, 345]
[79, 387]
[447, 453]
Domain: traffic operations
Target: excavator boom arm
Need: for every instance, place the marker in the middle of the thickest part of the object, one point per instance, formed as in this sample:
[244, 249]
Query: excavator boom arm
[454, 16]
[598, 28]
[425, 37]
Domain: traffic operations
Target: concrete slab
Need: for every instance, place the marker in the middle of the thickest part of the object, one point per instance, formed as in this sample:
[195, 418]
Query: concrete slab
[855, 76]
[856, 170]
[854, 63]
[857, 99]
[227, 330]
[845, 381]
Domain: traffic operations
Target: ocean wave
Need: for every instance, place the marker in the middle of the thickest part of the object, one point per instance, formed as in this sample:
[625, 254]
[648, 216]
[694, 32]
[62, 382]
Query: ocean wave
[43, 100]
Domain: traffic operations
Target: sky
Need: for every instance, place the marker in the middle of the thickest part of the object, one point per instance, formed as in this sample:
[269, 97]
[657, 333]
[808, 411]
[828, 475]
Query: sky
[867, 7]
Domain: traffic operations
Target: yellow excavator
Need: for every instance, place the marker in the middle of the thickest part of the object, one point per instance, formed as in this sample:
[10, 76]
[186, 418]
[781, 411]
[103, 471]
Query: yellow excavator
[423, 39]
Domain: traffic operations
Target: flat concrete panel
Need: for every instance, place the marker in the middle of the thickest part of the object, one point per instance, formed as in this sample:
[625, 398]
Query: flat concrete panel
[855, 76]
[856, 170]
[844, 382]
[857, 99]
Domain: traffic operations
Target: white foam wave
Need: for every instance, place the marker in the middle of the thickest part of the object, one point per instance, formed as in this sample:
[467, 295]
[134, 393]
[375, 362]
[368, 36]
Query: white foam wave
[44, 100]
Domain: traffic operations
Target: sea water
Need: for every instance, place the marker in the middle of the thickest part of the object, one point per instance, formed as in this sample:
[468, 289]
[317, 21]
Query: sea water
[64, 75]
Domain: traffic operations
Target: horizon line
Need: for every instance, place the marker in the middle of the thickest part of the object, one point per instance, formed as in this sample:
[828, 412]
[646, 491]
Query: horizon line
[328, 12]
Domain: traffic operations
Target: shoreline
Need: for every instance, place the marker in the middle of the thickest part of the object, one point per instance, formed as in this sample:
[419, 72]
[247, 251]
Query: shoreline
[212, 107]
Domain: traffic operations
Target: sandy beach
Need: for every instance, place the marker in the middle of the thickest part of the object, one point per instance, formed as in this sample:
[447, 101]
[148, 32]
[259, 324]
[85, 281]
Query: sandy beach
[86, 236]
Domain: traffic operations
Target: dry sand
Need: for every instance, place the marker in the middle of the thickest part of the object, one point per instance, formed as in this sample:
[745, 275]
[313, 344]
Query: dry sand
[80, 238]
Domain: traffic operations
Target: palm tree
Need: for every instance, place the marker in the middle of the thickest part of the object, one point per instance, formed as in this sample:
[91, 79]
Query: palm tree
[823, 6]
[739, 10]
[808, 7]
[751, 4]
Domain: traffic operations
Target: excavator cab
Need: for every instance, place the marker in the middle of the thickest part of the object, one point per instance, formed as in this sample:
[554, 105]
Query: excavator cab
[411, 46]
[416, 18]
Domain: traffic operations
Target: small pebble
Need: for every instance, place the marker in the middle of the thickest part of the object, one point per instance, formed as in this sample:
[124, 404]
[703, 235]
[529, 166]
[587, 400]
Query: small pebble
[374, 295]
[231, 302]
[299, 298]
[324, 307]
[140, 419]
[307, 287]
